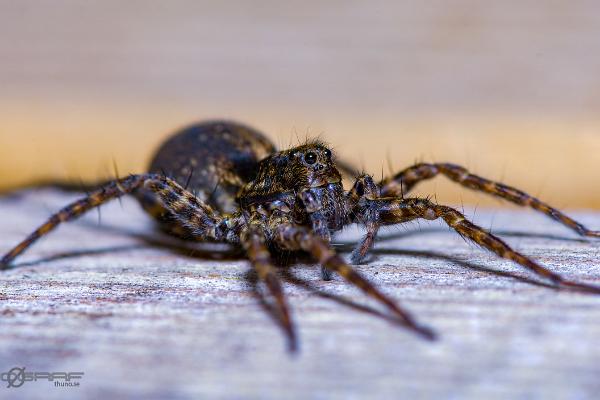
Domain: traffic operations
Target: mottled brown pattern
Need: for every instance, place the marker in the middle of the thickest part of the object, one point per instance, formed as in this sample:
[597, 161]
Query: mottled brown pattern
[394, 211]
[406, 180]
[225, 182]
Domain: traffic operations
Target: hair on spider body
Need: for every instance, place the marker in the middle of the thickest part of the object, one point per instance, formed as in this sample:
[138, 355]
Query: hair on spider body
[226, 182]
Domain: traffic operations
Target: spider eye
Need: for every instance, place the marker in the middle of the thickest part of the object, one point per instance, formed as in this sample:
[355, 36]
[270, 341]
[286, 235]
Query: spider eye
[328, 154]
[310, 157]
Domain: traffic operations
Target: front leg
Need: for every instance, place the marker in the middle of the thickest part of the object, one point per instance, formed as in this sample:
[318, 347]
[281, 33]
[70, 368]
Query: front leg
[394, 211]
[197, 217]
[312, 206]
[360, 201]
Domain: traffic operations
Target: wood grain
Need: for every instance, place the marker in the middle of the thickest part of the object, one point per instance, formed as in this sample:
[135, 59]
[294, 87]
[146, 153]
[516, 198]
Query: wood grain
[144, 318]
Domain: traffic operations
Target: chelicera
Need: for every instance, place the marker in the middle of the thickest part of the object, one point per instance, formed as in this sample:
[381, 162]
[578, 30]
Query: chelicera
[225, 182]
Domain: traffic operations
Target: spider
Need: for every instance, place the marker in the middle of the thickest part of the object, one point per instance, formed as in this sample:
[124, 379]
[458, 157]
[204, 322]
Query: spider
[225, 182]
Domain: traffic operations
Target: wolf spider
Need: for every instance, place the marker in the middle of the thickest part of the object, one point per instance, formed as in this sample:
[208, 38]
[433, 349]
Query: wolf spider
[225, 182]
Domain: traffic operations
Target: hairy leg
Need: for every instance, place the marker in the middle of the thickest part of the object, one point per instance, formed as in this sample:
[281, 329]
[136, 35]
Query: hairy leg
[313, 207]
[198, 217]
[293, 237]
[254, 243]
[395, 211]
[404, 181]
[359, 197]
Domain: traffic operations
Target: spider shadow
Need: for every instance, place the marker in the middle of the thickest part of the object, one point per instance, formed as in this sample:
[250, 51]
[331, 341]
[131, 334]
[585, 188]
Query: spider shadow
[546, 236]
[427, 231]
[181, 247]
[270, 308]
[73, 254]
[347, 246]
[464, 264]
[292, 278]
[288, 276]
[173, 245]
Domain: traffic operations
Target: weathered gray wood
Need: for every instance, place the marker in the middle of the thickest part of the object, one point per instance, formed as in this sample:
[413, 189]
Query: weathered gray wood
[147, 321]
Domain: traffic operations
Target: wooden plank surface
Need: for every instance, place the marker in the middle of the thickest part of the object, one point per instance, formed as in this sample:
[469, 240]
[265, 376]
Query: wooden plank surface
[144, 318]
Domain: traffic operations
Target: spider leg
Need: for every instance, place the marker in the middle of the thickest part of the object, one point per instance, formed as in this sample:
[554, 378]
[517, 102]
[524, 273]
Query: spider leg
[254, 242]
[294, 237]
[405, 180]
[394, 211]
[198, 217]
[362, 193]
[314, 208]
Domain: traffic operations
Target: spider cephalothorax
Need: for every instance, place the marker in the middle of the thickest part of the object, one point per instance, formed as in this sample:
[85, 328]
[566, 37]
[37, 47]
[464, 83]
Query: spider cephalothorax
[223, 181]
[306, 166]
[298, 181]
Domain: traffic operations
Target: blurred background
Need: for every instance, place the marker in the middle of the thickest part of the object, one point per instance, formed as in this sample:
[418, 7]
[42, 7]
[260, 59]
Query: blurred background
[509, 89]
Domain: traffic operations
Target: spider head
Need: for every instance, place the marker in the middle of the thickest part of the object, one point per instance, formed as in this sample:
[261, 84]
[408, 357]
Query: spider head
[307, 166]
[311, 165]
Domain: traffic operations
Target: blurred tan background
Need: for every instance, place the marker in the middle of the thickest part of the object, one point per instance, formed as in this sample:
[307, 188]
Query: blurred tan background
[510, 89]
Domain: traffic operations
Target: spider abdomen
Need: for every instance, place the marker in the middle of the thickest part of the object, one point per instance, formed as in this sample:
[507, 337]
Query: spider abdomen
[213, 159]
